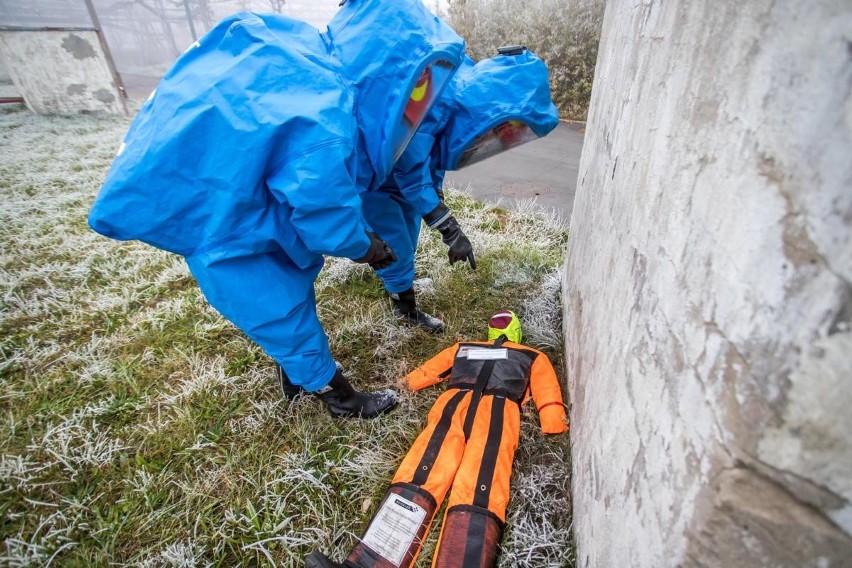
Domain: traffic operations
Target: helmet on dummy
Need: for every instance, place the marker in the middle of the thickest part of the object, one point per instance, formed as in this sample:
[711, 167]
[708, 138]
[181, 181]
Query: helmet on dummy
[505, 322]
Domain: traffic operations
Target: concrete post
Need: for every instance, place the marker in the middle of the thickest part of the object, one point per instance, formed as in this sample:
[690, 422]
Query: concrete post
[708, 288]
[61, 71]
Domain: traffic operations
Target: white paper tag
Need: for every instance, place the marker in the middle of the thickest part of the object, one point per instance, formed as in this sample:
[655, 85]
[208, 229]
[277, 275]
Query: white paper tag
[463, 351]
[394, 528]
[487, 354]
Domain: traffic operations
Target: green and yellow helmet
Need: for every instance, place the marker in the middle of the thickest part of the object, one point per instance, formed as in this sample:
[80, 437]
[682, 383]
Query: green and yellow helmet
[505, 322]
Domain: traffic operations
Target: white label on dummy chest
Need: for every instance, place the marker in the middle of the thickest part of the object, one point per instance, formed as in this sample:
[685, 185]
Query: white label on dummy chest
[487, 354]
[394, 528]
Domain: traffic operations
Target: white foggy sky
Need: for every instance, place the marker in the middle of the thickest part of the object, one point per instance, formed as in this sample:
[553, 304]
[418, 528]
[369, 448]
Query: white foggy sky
[319, 12]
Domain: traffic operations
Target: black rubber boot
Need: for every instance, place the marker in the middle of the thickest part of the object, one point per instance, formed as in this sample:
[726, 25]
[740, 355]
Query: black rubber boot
[405, 310]
[320, 560]
[288, 390]
[344, 401]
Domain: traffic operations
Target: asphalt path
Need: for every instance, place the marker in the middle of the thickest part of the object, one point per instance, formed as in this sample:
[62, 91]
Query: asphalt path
[544, 170]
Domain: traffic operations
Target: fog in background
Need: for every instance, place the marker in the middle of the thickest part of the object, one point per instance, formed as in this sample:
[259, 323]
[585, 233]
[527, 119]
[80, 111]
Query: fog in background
[145, 36]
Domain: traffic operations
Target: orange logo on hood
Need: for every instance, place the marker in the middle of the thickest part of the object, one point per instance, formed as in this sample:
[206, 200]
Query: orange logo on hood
[421, 96]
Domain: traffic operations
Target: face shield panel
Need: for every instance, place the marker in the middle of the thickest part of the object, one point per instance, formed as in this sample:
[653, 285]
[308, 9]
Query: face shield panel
[498, 139]
[426, 90]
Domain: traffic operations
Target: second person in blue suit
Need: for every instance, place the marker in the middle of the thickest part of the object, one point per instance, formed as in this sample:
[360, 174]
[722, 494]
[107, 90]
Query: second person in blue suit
[488, 107]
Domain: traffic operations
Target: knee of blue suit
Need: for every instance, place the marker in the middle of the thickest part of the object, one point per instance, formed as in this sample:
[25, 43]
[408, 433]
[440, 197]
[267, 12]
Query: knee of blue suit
[271, 299]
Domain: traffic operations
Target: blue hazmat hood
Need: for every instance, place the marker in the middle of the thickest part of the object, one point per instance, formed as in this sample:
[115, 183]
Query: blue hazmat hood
[445, 107]
[386, 48]
[252, 131]
[492, 92]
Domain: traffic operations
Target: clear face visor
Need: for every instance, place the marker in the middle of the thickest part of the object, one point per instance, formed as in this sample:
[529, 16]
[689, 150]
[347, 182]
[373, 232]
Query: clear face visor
[502, 137]
[426, 90]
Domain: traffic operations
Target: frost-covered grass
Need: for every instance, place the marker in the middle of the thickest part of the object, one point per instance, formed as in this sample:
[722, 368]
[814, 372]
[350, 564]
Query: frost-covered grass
[140, 428]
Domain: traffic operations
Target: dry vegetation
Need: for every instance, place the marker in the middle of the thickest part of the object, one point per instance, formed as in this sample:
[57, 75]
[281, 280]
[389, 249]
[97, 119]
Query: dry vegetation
[564, 33]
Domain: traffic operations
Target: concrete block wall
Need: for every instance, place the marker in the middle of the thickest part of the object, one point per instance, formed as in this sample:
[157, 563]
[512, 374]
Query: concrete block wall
[708, 288]
[60, 72]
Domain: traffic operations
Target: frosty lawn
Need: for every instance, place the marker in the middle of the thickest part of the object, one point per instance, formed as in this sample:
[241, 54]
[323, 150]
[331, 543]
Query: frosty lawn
[140, 428]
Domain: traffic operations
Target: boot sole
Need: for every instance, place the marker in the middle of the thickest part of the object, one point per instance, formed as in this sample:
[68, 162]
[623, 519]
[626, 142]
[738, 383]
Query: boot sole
[433, 330]
[362, 416]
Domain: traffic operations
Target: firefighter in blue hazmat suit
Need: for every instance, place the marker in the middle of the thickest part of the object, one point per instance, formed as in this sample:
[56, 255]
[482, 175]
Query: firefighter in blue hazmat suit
[249, 160]
[489, 107]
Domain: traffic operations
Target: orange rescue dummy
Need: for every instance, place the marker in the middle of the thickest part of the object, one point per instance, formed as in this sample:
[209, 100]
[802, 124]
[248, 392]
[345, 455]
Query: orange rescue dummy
[469, 443]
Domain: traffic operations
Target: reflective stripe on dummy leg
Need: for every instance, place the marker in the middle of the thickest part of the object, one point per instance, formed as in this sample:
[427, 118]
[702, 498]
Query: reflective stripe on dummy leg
[489, 457]
[433, 459]
[477, 507]
[469, 538]
[396, 532]
[437, 440]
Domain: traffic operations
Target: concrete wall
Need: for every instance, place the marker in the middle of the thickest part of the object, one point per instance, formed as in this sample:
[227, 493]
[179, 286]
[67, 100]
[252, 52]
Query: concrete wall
[7, 87]
[60, 72]
[708, 288]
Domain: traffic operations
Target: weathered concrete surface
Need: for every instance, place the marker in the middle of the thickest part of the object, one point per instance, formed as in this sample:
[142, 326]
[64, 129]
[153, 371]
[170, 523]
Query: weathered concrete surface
[708, 288]
[60, 72]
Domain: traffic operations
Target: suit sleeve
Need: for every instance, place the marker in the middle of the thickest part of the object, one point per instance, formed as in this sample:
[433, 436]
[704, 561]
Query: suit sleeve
[413, 175]
[429, 373]
[438, 179]
[326, 206]
[547, 396]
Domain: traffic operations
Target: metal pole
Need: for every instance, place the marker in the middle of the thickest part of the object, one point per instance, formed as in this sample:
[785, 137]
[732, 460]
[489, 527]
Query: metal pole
[189, 19]
[119, 84]
[167, 29]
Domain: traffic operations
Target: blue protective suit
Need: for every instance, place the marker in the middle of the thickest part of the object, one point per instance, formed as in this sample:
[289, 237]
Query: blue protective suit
[247, 160]
[480, 96]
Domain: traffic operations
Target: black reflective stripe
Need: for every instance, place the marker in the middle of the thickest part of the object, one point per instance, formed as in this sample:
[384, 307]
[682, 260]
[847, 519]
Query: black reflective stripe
[489, 457]
[481, 381]
[478, 511]
[507, 394]
[475, 541]
[531, 354]
[437, 440]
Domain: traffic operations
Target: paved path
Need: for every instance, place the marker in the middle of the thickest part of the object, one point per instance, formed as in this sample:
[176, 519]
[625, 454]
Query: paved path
[545, 170]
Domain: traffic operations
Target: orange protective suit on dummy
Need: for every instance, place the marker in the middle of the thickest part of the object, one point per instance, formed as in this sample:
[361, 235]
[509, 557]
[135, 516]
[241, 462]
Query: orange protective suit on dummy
[469, 443]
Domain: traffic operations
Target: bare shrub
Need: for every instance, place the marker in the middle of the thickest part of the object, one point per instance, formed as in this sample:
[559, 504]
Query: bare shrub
[564, 33]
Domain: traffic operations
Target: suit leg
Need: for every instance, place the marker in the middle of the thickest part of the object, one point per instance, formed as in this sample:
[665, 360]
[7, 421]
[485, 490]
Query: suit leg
[272, 300]
[397, 531]
[395, 221]
[476, 511]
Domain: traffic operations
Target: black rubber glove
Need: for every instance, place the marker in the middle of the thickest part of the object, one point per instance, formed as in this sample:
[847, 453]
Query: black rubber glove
[379, 255]
[459, 245]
